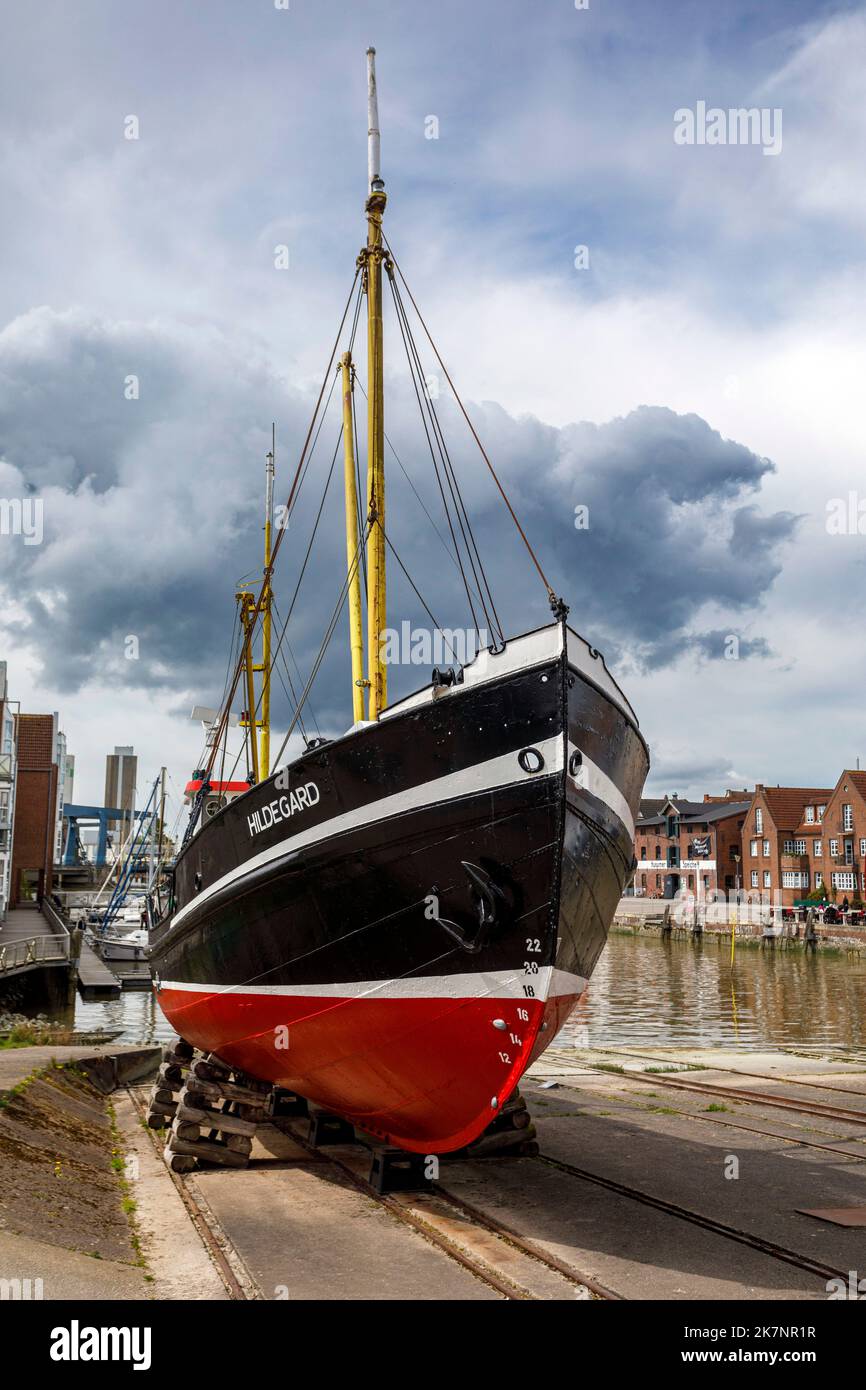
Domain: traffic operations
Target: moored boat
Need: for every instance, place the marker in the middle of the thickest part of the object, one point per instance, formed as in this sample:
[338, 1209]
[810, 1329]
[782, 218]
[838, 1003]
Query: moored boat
[396, 922]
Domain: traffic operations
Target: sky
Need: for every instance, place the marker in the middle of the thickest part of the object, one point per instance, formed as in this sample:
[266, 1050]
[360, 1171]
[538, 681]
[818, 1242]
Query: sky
[659, 343]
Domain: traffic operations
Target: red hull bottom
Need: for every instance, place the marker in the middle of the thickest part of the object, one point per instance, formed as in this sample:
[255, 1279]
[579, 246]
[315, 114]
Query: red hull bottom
[424, 1074]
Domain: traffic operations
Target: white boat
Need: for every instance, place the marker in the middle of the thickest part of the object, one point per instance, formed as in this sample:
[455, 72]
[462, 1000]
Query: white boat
[131, 946]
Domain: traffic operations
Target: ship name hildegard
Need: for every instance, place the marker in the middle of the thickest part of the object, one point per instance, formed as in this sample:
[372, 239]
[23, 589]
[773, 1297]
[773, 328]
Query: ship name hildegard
[282, 807]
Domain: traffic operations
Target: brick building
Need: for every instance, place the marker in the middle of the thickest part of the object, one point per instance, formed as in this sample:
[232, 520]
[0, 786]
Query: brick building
[837, 855]
[689, 845]
[7, 789]
[35, 821]
[781, 827]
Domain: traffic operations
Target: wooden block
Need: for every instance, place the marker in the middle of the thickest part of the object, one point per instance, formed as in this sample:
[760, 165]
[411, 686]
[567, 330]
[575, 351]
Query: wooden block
[178, 1163]
[214, 1119]
[239, 1143]
[209, 1149]
[225, 1090]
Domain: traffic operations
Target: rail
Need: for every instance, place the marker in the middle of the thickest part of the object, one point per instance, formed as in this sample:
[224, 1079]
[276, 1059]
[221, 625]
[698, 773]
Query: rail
[34, 950]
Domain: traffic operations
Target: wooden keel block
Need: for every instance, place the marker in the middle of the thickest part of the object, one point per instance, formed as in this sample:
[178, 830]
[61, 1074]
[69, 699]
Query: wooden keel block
[224, 1090]
[178, 1163]
[214, 1119]
[209, 1150]
[182, 1130]
[239, 1144]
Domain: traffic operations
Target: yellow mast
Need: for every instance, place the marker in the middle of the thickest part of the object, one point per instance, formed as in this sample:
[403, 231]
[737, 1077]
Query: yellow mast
[353, 540]
[373, 255]
[265, 756]
[247, 603]
[260, 744]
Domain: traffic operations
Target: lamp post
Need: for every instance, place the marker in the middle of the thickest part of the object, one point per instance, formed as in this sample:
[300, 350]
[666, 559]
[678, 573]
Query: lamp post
[736, 918]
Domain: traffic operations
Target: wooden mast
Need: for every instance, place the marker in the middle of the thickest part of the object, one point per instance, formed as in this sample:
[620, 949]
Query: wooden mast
[373, 255]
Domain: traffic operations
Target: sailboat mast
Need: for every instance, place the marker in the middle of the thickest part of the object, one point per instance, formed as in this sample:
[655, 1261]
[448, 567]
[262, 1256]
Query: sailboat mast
[265, 755]
[373, 255]
[353, 541]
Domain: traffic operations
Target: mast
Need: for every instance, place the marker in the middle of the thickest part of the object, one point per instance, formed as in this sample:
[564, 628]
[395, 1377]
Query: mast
[265, 756]
[353, 542]
[372, 256]
[247, 603]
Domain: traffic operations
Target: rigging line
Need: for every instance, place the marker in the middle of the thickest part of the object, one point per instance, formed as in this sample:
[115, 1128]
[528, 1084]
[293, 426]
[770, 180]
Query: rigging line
[408, 478]
[266, 681]
[269, 569]
[453, 483]
[266, 677]
[445, 507]
[323, 648]
[360, 491]
[344, 589]
[436, 626]
[464, 522]
[493, 473]
[294, 697]
[300, 682]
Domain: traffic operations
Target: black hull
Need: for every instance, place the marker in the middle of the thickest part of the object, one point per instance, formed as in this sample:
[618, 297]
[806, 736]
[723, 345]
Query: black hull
[431, 897]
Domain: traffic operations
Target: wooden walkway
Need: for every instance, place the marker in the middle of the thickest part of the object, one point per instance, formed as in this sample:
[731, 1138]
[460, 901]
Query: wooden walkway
[30, 941]
[94, 976]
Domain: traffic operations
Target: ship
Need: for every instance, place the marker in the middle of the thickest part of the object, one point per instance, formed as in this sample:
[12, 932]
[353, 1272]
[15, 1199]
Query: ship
[397, 921]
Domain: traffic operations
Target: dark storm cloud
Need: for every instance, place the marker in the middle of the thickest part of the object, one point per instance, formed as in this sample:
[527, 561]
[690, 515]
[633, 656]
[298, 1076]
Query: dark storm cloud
[152, 514]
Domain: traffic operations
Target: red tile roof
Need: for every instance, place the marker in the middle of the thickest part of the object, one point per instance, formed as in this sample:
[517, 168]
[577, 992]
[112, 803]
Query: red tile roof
[785, 804]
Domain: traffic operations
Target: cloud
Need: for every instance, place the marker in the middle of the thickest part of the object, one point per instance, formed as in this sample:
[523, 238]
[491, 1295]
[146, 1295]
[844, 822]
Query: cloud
[152, 513]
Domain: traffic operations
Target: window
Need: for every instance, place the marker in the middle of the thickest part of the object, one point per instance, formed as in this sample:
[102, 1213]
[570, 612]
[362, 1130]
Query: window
[817, 848]
[799, 846]
[759, 822]
[834, 848]
[754, 878]
[819, 879]
[810, 814]
[794, 878]
[643, 851]
[658, 851]
[844, 880]
[673, 827]
[849, 851]
[766, 849]
[787, 846]
[863, 849]
[753, 848]
[767, 879]
[847, 818]
[821, 810]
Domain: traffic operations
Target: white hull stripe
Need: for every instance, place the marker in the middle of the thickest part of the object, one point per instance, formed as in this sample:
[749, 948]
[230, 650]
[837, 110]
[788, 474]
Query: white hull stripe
[496, 984]
[498, 772]
[592, 779]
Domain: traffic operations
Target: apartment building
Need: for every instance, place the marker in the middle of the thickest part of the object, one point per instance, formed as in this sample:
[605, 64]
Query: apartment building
[693, 846]
[35, 821]
[836, 845]
[8, 769]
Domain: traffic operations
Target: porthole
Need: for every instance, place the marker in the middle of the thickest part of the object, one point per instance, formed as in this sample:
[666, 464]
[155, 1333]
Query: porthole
[530, 759]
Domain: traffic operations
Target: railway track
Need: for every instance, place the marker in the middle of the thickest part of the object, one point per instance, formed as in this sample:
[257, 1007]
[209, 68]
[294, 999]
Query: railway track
[694, 1218]
[732, 1071]
[422, 1212]
[409, 1209]
[806, 1107]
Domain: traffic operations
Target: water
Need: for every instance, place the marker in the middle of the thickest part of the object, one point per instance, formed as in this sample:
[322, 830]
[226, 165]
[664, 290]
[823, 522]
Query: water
[648, 992]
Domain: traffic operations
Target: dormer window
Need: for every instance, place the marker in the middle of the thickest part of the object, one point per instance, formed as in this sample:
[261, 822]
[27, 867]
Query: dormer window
[810, 815]
[821, 810]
